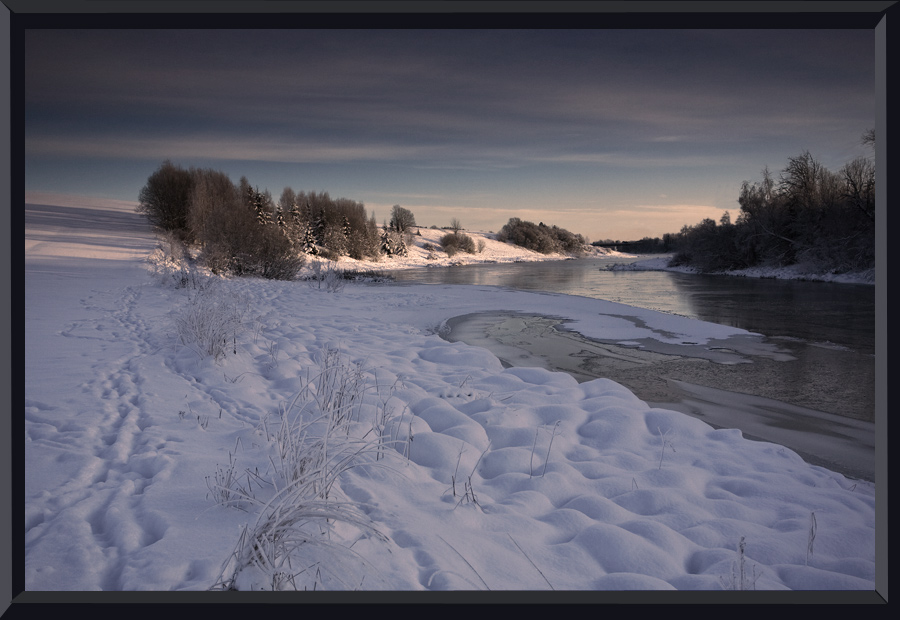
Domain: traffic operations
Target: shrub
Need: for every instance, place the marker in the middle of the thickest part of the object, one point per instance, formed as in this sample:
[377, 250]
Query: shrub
[312, 445]
[539, 237]
[172, 247]
[431, 251]
[329, 254]
[234, 239]
[211, 321]
[172, 265]
[568, 242]
[253, 251]
[326, 276]
[275, 257]
[456, 242]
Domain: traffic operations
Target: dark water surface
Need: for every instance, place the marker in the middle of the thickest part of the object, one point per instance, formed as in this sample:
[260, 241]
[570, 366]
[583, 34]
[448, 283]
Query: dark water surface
[816, 312]
[828, 329]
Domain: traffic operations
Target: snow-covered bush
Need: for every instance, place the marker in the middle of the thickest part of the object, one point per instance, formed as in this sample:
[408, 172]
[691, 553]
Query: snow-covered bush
[325, 276]
[456, 242]
[171, 263]
[293, 543]
[211, 321]
[540, 237]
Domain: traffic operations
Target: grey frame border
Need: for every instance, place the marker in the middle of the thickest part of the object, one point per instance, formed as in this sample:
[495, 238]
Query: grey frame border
[9, 603]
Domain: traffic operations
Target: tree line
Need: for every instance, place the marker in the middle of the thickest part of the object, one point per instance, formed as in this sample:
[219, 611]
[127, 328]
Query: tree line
[809, 215]
[647, 245]
[241, 230]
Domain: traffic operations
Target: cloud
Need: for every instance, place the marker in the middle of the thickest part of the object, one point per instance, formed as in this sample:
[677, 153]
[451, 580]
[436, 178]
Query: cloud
[507, 118]
[217, 147]
[631, 160]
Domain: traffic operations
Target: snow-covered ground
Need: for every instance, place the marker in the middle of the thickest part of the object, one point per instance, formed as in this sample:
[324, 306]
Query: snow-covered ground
[791, 272]
[425, 251]
[446, 470]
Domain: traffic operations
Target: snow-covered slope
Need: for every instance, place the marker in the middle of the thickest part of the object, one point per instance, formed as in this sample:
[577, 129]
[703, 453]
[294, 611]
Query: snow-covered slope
[459, 474]
[426, 251]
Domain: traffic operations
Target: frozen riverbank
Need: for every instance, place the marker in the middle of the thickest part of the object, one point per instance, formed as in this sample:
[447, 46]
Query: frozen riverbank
[495, 478]
[792, 272]
[667, 376]
[425, 251]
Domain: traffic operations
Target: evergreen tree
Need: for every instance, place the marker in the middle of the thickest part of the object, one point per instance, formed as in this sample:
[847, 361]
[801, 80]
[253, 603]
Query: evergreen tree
[335, 240]
[392, 243]
[293, 226]
[309, 240]
[308, 234]
[319, 227]
[373, 242]
[260, 202]
[387, 246]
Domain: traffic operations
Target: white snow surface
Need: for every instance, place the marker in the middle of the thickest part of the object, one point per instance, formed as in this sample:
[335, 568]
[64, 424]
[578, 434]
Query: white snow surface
[425, 251]
[791, 272]
[487, 478]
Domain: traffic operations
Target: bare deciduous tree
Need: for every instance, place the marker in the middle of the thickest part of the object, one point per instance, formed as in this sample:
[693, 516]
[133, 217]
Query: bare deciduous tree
[859, 185]
[165, 199]
[868, 138]
[402, 219]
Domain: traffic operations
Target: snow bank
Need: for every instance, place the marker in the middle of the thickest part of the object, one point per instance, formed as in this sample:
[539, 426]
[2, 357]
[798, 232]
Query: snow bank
[426, 251]
[515, 478]
[792, 272]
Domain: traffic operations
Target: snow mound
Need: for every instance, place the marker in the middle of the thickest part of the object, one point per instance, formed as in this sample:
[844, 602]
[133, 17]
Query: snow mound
[151, 465]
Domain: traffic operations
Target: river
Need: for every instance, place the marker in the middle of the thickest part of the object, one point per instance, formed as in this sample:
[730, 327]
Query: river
[824, 388]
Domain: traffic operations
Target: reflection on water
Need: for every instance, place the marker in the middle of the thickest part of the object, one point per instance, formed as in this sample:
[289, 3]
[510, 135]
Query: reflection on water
[821, 312]
[829, 328]
[817, 312]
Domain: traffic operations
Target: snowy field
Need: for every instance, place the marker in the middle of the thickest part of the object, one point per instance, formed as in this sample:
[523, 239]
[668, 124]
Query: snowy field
[331, 439]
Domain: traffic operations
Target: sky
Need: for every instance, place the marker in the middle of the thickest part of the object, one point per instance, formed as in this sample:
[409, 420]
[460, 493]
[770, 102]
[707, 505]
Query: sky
[613, 134]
